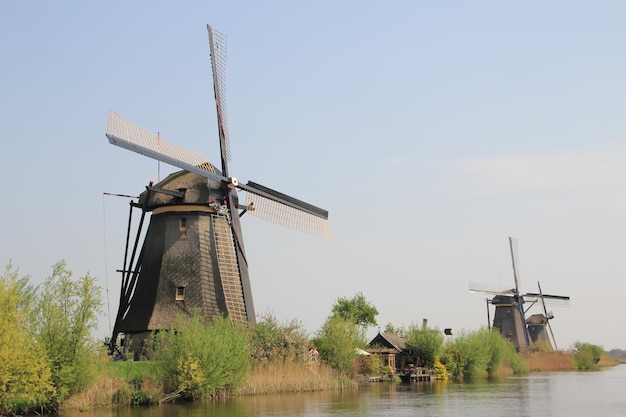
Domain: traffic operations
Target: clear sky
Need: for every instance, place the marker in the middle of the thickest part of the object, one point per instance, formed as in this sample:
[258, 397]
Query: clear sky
[431, 131]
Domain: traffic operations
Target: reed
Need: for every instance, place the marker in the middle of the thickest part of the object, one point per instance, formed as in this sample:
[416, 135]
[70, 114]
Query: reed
[549, 361]
[119, 383]
[291, 376]
[101, 394]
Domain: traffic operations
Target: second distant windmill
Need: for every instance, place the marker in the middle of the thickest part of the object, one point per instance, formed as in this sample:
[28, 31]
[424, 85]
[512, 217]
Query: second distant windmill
[510, 310]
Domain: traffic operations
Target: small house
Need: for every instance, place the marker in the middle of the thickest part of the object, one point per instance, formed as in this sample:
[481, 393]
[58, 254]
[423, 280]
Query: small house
[392, 351]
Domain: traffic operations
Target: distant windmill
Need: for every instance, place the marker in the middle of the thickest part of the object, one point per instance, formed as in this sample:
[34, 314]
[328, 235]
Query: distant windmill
[510, 315]
[193, 256]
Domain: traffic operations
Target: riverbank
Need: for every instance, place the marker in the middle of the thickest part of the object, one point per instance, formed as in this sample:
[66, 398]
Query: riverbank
[533, 395]
[132, 383]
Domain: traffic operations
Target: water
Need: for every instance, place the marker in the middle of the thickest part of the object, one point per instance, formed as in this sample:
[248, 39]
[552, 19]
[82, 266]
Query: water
[568, 394]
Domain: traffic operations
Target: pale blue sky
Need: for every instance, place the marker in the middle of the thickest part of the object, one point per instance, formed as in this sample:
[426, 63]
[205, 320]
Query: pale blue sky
[431, 131]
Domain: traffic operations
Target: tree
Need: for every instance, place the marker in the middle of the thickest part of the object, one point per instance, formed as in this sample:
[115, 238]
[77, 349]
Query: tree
[356, 309]
[337, 341]
[24, 372]
[271, 341]
[65, 314]
[390, 328]
[425, 343]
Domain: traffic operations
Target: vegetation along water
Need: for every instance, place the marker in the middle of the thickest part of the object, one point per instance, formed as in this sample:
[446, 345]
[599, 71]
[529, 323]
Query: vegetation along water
[49, 362]
[556, 394]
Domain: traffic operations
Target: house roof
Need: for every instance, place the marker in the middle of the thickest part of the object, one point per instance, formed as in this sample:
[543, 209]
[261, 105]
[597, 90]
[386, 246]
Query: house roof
[389, 340]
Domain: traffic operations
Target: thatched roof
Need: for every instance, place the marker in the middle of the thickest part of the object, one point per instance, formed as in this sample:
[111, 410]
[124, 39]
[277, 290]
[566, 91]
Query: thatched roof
[387, 341]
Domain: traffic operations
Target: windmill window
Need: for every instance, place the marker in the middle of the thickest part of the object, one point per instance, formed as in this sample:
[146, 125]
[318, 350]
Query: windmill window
[180, 293]
[183, 225]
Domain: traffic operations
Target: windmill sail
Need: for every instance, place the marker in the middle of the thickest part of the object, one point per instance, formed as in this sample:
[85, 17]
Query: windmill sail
[217, 42]
[515, 262]
[128, 135]
[519, 301]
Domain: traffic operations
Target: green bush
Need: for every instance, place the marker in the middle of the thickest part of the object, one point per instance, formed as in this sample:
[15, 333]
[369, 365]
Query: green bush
[587, 356]
[372, 366]
[481, 353]
[198, 359]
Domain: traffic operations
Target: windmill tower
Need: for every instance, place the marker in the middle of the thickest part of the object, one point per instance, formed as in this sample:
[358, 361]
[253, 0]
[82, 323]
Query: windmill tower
[510, 314]
[193, 256]
[537, 323]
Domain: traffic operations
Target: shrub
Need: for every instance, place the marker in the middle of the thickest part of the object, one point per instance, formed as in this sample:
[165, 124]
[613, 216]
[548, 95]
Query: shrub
[371, 366]
[270, 341]
[482, 353]
[587, 356]
[198, 359]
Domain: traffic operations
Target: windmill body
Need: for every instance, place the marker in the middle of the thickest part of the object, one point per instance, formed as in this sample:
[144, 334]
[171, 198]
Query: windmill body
[188, 261]
[509, 320]
[538, 329]
[193, 258]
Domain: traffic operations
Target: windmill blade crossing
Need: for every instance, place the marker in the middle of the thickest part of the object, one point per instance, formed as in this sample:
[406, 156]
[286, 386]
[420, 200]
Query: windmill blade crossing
[267, 204]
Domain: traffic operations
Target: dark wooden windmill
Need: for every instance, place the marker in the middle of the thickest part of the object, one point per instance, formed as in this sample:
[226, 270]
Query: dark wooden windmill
[193, 256]
[510, 312]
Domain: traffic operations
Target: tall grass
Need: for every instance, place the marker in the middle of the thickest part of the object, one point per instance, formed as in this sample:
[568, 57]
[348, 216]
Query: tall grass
[291, 376]
[549, 361]
[118, 383]
[101, 394]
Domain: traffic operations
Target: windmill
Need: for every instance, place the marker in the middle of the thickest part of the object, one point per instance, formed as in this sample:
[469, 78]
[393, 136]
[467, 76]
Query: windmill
[537, 323]
[193, 256]
[510, 314]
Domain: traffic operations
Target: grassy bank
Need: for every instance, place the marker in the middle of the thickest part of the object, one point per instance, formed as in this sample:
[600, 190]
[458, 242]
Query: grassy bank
[133, 383]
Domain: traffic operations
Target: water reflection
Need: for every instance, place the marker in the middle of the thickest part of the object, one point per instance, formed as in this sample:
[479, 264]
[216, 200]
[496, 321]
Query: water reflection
[568, 394]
